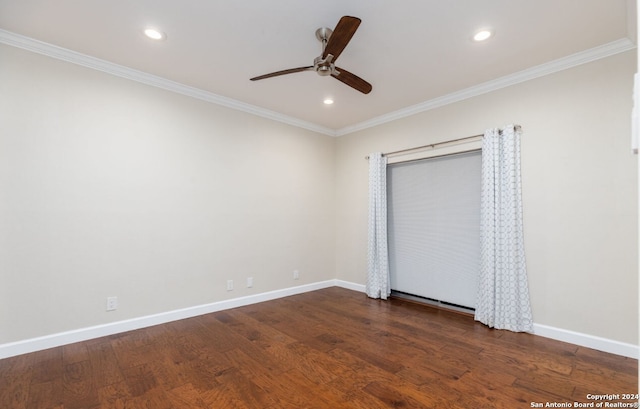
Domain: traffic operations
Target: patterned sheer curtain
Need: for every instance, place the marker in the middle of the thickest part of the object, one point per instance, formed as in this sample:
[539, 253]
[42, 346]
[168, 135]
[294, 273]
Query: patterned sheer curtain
[378, 280]
[503, 293]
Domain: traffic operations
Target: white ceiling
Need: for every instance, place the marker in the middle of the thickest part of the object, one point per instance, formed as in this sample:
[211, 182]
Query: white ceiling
[411, 51]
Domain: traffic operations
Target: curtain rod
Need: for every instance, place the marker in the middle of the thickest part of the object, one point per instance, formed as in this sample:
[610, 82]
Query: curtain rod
[432, 145]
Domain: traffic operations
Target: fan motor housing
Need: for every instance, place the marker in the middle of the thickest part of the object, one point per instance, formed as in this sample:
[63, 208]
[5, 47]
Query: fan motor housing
[323, 66]
[324, 71]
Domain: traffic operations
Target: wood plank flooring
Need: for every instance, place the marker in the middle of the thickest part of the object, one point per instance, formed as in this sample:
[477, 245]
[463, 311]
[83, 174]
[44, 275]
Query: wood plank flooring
[331, 348]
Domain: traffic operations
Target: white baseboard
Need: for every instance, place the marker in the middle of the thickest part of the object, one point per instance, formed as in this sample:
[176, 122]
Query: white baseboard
[588, 341]
[572, 337]
[350, 286]
[83, 334]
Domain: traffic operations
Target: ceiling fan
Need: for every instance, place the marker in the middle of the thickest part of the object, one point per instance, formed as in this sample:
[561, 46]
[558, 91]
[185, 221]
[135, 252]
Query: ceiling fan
[333, 43]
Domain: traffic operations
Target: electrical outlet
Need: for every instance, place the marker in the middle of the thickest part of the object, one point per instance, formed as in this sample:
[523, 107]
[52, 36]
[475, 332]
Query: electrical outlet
[249, 282]
[112, 303]
[229, 285]
[296, 274]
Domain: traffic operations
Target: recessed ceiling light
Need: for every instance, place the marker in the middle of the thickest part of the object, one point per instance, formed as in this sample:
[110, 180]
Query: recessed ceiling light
[328, 101]
[482, 35]
[154, 34]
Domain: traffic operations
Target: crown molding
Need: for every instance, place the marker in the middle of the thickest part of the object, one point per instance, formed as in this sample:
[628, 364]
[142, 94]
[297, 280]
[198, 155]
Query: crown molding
[53, 51]
[583, 57]
[50, 50]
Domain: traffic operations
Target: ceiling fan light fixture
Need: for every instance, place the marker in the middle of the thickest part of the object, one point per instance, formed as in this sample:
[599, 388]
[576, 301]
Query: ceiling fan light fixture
[482, 35]
[154, 34]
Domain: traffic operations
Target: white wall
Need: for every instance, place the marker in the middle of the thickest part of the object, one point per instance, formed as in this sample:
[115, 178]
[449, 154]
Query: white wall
[113, 188]
[580, 183]
[110, 187]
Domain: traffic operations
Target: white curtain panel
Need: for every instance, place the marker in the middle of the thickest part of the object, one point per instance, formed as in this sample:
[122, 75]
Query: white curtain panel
[503, 292]
[378, 280]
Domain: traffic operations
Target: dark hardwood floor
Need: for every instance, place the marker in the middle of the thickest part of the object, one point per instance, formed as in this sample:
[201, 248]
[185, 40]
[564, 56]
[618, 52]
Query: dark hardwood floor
[332, 348]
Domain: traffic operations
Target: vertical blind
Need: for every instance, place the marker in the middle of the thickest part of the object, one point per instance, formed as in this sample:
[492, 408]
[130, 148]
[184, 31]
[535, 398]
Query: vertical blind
[434, 227]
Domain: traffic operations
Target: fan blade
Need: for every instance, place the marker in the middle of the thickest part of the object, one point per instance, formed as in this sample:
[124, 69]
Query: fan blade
[352, 80]
[341, 36]
[283, 72]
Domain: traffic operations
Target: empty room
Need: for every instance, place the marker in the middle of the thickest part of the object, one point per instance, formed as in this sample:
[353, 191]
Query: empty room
[443, 215]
